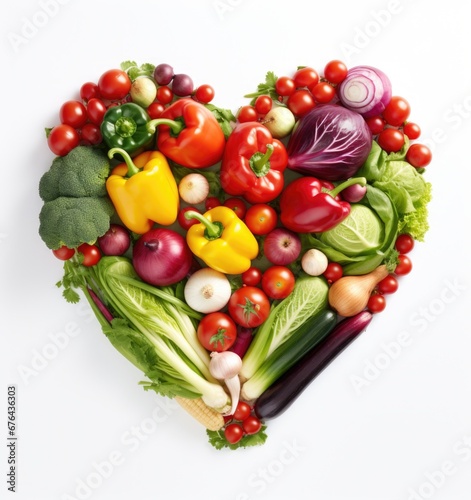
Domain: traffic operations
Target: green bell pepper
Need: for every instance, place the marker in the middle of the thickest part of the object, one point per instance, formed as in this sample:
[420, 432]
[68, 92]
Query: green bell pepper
[125, 126]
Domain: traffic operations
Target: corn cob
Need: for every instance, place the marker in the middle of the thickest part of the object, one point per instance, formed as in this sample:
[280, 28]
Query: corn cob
[210, 418]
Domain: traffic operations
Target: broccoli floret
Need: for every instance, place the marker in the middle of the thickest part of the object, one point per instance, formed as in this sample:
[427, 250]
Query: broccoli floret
[73, 221]
[81, 173]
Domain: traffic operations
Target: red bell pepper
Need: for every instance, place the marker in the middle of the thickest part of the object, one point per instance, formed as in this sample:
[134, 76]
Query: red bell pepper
[307, 205]
[253, 164]
[189, 134]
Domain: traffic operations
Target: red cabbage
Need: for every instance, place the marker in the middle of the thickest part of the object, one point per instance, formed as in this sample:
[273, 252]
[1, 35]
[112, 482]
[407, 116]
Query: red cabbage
[329, 142]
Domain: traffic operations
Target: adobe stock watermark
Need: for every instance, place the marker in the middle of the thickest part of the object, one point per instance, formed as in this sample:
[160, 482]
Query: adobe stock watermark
[436, 478]
[43, 356]
[32, 24]
[224, 7]
[130, 441]
[420, 322]
[262, 479]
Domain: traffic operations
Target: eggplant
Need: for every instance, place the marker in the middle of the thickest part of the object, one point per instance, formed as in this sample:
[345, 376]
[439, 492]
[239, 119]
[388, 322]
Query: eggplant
[282, 393]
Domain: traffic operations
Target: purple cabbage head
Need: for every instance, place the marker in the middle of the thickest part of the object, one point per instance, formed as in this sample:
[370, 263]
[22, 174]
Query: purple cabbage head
[329, 142]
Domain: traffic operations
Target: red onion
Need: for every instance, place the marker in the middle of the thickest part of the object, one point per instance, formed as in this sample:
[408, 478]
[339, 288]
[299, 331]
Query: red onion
[282, 246]
[115, 241]
[161, 257]
[366, 90]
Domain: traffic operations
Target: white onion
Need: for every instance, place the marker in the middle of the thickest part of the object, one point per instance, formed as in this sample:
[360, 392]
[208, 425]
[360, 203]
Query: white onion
[193, 188]
[314, 262]
[207, 290]
[279, 121]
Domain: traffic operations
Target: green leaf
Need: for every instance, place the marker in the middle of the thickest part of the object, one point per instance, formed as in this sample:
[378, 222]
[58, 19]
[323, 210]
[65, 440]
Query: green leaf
[125, 65]
[224, 117]
[71, 296]
[265, 88]
[218, 440]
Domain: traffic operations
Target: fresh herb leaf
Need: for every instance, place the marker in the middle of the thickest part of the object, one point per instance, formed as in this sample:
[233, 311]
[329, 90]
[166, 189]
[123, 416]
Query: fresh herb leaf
[218, 440]
[134, 70]
[224, 117]
[127, 65]
[265, 88]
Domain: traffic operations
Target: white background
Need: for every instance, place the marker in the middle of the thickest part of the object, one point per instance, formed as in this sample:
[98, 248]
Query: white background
[86, 429]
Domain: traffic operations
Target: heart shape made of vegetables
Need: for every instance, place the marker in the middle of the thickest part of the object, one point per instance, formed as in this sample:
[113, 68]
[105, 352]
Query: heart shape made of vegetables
[231, 257]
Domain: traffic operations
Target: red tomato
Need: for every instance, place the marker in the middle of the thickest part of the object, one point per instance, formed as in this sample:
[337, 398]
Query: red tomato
[263, 104]
[404, 243]
[404, 266]
[155, 110]
[62, 139]
[333, 272]
[238, 205]
[412, 130]
[388, 284]
[96, 110]
[233, 433]
[64, 253]
[91, 134]
[376, 124]
[217, 331]
[89, 90]
[397, 111]
[183, 221]
[323, 92]
[376, 303]
[164, 94]
[285, 86]
[261, 218]
[243, 411]
[204, 93]
[73, 113]
[301, 102]
[247, 114]
[251, 425]
[91, 254]
[335, 71]
[211, 202]
[419, 155]
[249, 306]
[278, 282]
[306, 77]
[114, 84]
[391, 140]
[252, 276]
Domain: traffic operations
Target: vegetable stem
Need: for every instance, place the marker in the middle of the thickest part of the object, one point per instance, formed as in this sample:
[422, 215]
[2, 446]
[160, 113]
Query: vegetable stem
[346, 184]
[132, 169]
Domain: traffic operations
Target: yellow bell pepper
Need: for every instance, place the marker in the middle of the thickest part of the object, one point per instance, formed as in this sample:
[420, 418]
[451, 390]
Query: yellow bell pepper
[222, 240]
[143, 190]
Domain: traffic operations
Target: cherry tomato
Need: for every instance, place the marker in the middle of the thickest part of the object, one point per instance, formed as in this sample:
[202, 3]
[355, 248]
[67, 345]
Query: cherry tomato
[305, 77]
[376, 124]
[323, 92]
[251, 425]
[211, 202]
[96, 110]
[388, 284]
[183, 221]
[397, 111]
[412, 130]
[242, 411]
[285, 86]
[91, 134]
[333, 272]
[404, 266]
[91, 254]
[391, 140]
[261, 218]
[376, 303]
[278, 282]
[233, 433]
[249, 306]
[247, 114]
[263, 104]
[204, 93]
[335, 71]
[64, 253]
[301, 102]
[62, 139]
[155, 109]
[88, 91]
[73, 113]
[164, 94]
[238, 205]
[252, 276]
[404, 243]
[114, 84]
[217, 331]
[419, 155]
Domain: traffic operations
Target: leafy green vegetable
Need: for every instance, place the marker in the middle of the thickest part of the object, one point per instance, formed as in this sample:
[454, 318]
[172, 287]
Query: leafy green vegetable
[308, 297]
[134, 70]
[224, 117]
[404, 184]
[217, 439]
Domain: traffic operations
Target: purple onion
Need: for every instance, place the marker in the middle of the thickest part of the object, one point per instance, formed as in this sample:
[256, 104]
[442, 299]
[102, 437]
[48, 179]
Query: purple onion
[329, 142]
[366, 90]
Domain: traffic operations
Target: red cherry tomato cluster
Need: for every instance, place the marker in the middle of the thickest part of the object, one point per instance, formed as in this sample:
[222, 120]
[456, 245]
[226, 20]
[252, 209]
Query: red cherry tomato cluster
[241, 424]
